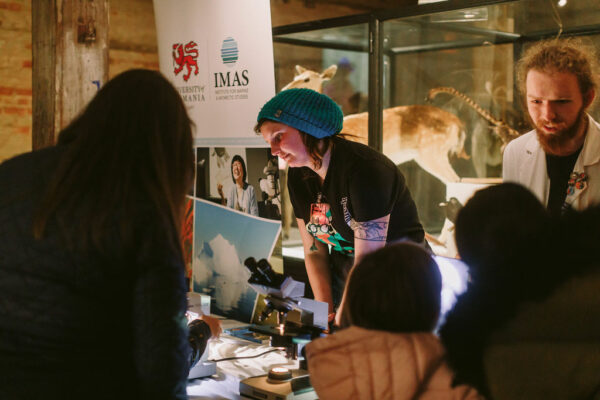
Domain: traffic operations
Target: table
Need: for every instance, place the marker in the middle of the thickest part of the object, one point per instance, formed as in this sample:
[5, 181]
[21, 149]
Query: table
[225, 385]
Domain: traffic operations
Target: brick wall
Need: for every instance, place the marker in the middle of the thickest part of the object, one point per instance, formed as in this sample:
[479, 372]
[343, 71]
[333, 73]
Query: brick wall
[132, 41]
[15, 77]
[132, 38]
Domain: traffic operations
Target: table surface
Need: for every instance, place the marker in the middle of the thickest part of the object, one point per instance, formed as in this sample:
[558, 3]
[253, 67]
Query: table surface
[225, 384]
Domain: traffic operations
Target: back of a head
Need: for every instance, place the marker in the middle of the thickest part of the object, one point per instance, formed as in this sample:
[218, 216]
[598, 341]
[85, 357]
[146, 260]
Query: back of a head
[570, 55]
[518, 254]
[132, 142]
[137, 110]
[499, 222]
[396, 289]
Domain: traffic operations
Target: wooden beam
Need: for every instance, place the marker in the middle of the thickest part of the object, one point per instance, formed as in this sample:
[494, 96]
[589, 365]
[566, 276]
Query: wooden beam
[70, 62]
[43, 30]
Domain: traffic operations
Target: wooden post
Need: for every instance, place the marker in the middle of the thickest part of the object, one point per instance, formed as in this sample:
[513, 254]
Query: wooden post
[70, 62]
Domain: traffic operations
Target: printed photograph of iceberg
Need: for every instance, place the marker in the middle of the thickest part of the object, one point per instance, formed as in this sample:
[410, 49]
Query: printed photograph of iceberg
[223, 239]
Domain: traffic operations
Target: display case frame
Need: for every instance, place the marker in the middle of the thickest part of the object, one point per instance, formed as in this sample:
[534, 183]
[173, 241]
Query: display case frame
[382, 54]
[376, 51]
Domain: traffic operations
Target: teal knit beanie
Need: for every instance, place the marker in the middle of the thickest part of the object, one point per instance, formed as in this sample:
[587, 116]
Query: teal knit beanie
[306, 110]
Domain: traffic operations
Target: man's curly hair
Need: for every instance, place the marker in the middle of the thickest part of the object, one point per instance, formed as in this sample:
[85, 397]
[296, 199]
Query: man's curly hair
[570, 55]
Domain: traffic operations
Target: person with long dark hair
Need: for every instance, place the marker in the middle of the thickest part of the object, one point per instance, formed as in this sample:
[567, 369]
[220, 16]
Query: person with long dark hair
[91, 271]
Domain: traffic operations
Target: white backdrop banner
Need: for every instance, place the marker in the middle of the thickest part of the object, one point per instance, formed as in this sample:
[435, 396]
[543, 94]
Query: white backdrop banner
[219, 56]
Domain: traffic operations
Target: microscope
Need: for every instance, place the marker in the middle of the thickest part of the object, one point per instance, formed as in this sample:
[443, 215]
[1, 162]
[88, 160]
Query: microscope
[299, 320]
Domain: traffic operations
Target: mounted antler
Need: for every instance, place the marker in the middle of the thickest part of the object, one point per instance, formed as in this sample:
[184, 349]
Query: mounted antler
[500, 128]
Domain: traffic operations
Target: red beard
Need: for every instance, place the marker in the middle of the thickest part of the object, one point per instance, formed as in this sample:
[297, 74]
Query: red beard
[553, 143]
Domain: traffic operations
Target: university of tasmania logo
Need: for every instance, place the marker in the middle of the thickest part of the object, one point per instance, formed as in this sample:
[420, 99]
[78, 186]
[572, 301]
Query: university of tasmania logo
[185, 56]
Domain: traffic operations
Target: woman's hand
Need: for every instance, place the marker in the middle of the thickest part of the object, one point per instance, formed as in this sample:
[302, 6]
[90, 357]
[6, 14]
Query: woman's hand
[220, 190]
[214, 324]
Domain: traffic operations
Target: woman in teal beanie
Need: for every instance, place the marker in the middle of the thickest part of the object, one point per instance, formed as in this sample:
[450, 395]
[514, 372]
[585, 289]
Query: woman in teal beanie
[346, 196]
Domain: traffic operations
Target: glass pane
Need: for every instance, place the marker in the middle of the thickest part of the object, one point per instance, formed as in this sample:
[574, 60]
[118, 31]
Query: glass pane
[450, 91]
[354, 36]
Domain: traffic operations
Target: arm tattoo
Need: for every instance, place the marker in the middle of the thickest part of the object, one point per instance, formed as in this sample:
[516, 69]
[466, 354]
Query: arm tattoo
[370, 230]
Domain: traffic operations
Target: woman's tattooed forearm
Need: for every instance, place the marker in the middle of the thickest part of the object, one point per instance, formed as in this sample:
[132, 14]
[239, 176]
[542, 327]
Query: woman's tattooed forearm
[370, 230]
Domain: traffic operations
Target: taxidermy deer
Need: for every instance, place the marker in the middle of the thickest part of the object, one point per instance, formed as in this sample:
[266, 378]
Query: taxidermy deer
[426, 134]
[486, 149]
[499, 127]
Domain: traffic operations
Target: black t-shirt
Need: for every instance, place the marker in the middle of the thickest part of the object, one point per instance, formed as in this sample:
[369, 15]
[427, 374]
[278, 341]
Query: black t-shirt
[559, 169]
[361, 185]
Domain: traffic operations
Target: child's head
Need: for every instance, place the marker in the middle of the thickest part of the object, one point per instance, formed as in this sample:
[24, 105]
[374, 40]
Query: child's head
[499, 230]
[396, 288]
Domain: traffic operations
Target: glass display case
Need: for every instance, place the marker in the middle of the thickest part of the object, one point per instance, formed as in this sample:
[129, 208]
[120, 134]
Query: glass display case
[437, 82]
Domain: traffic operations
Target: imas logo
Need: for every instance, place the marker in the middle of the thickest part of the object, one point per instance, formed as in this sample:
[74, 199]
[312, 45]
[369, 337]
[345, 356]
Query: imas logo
[229, 52]
[185, 56]
[231, 85]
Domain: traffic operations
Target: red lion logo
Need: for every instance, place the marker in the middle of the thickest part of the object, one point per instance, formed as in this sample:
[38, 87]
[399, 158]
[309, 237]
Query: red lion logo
[185, 56]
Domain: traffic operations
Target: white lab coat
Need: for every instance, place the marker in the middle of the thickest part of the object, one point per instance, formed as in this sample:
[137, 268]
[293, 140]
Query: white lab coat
[525, 163]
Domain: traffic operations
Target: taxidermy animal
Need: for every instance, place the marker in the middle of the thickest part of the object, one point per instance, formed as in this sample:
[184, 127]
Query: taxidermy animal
[486, 149]
[426, 134]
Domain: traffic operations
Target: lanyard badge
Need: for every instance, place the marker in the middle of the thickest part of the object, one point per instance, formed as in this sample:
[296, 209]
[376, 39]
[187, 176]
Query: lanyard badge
[577, 183]
[319, 221]
[319, 226]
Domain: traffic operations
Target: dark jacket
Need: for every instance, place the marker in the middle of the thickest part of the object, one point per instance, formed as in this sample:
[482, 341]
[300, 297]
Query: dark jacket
[545, 349]
[527, 327]
[88, 324]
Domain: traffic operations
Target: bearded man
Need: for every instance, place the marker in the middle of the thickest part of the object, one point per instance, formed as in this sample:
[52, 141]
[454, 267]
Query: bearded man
[559, 161]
